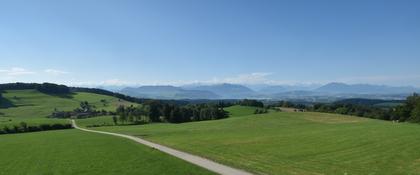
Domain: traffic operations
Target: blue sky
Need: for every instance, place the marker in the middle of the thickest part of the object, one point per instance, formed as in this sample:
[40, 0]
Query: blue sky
[80, 42]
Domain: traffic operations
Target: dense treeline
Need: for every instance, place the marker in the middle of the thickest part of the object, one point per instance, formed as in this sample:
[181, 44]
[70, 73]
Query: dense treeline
[254, 103]
[353, 109]
[48, 88]
[24, 127]
[410, 111]
[18, 86]
[156, 111]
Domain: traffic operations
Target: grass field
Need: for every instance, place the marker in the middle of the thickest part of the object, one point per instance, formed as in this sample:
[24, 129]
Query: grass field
[33, 104]
[294, 143]
[238, 111]
[72, 152]
[33, 107]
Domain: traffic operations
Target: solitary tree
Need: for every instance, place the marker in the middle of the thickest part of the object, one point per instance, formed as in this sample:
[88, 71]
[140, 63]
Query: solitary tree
[115, 119]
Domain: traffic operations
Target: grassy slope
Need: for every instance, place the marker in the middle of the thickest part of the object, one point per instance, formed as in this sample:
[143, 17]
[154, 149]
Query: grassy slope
[33, 107]
[237, 111]
[295, 143]
[72, 152]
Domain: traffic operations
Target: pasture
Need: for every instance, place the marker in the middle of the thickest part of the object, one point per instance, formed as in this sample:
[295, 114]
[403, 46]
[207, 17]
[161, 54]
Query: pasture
[294, 143]
[73, 152]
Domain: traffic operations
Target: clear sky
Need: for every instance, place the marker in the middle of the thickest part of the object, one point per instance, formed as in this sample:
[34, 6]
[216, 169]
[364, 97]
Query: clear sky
[183, 41]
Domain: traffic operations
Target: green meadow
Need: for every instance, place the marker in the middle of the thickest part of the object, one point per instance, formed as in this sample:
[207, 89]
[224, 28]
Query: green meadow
[294, 143]
[33, 107]
[272, 143]
[73, 152]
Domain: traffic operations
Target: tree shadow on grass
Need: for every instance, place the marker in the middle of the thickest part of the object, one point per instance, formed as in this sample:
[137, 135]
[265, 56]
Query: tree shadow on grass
[6, 103]
[67, 95]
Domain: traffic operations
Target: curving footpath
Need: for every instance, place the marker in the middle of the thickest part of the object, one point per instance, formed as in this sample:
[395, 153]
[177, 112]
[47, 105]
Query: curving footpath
[202, 162]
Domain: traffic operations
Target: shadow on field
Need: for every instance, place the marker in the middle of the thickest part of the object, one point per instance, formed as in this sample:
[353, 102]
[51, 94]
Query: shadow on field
[6, 103]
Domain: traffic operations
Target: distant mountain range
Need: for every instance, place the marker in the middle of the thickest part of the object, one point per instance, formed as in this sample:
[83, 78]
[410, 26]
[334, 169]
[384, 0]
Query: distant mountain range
[364, 89]
[168, 92]
[235, 91]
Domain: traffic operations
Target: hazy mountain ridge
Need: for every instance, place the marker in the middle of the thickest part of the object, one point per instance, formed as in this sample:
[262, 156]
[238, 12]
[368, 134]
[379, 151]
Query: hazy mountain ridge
[236, 91]
[365, 89]
[167, 92]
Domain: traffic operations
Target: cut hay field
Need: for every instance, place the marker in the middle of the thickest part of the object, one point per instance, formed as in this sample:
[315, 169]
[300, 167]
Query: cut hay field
[73, 152]
[294, 143]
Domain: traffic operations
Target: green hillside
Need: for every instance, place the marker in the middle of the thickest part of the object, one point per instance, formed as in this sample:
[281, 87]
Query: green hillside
[294, 143]
[34, 104]
[33, 107]
[73, 152]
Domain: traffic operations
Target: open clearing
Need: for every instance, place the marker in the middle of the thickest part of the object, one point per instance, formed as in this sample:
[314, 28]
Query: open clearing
[72, 152]
[294, 143]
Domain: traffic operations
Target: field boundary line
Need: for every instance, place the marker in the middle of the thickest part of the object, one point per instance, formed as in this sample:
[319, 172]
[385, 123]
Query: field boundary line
[196, 160]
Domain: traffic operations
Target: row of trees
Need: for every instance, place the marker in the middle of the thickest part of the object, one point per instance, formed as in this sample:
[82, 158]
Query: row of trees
[24, 127]
[156, 111]
[254, 103]
[50, 88]
[353, 109]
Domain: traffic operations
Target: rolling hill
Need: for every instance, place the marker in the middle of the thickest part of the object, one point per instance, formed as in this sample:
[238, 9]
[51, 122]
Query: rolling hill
[33, 107]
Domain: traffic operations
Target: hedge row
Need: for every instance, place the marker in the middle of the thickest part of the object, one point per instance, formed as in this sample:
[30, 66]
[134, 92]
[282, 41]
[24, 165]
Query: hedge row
[23, 127]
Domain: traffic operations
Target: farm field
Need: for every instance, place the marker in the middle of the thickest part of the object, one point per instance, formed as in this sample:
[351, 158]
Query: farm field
[294, 143]
[33, 107]
[72, 152]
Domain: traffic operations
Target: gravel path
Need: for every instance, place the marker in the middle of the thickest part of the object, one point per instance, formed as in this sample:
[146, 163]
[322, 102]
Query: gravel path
[202, 162]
